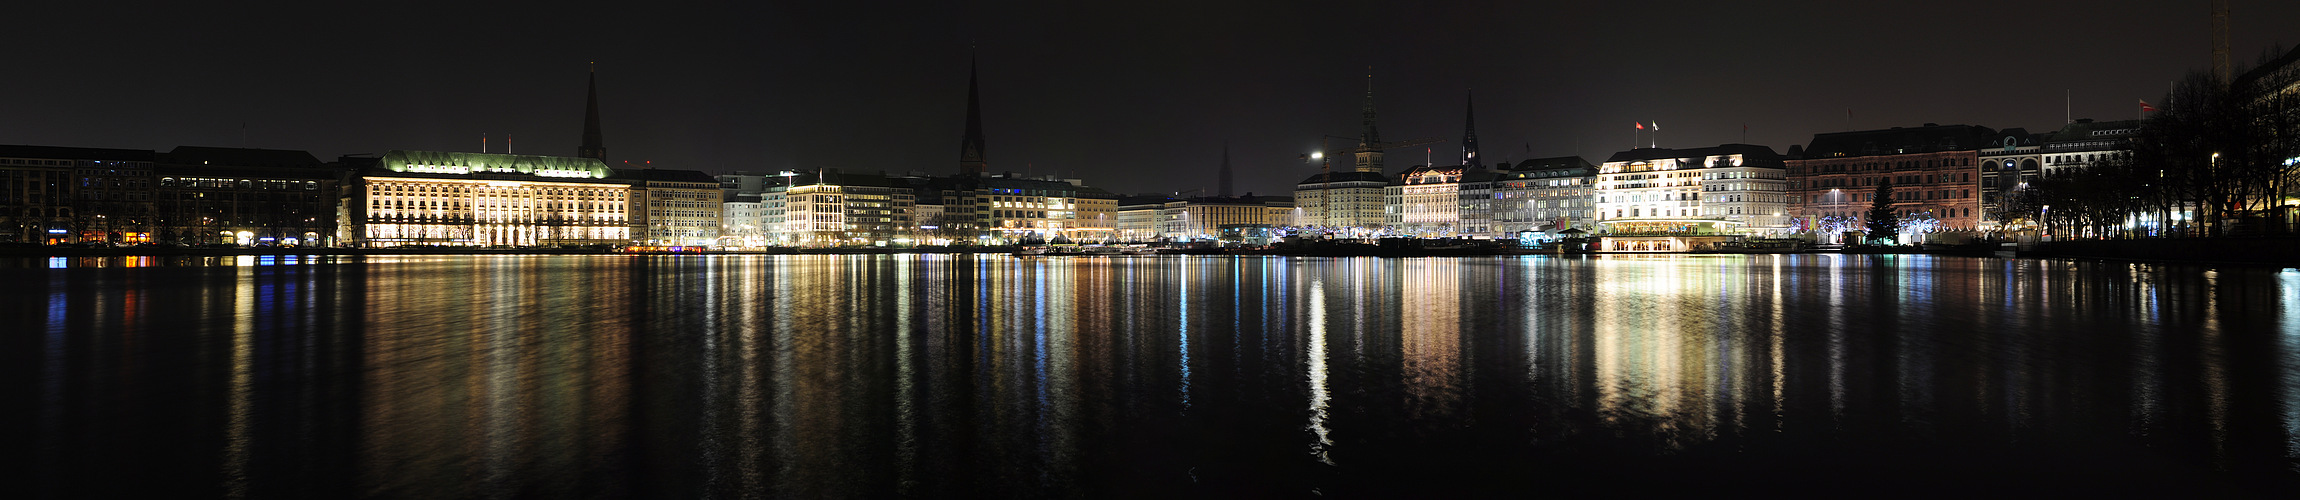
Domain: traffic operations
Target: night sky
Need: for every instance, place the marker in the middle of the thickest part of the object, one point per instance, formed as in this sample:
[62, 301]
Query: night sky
[1133, 97]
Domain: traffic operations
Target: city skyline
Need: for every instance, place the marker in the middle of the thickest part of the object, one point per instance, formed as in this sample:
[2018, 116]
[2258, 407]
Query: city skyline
[1129, 102]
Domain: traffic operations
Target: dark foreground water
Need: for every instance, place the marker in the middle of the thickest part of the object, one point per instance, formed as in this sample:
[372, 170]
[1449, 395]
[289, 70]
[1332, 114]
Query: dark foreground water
[1168, 377]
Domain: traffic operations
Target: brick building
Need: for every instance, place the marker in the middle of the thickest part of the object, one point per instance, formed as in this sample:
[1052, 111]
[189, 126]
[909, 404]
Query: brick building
[1933, 170]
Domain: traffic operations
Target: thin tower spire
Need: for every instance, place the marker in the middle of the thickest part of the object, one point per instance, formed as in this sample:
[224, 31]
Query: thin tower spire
[594, 146]
[971, 160]
[1469, 132]
[1369, 142]
[1224, 179]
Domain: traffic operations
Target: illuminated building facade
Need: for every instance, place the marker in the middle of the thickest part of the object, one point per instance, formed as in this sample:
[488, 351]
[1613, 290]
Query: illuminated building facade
[1425, 201]
[236, 196]
[2008, 163]
[1348, 203]
[1742, 186]
[57, 195]
[752, 207]
[1477, 188]
[1201, 219]
[830, 208]
[1547, 194]
[1747, 186]
[673, 207]
[742, 225]
[1139, 218]
[477, 199]
[1934, 170]
[1648, 183]
[1007, 207]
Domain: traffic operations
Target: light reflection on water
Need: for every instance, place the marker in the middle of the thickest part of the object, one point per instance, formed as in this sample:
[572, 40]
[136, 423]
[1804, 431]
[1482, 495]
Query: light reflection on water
[817, 376]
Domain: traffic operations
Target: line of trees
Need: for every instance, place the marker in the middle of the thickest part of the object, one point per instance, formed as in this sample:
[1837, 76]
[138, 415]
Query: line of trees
[2216, 152]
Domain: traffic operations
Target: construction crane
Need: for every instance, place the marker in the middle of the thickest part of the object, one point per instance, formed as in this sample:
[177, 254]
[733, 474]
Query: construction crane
[1325, 144]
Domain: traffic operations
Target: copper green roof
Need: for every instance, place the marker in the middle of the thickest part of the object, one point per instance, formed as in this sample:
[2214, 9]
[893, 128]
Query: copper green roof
[439, 162]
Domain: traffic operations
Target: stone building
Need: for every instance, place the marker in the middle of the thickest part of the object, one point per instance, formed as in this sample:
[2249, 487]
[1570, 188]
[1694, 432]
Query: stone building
[478, 199]
[244, 196]
[673, 207]
[60, 195]
[1546, 194]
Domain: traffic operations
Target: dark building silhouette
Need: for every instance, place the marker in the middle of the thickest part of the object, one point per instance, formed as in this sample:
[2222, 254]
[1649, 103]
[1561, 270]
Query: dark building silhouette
[244, 196]
[594, 145]
[57, 195]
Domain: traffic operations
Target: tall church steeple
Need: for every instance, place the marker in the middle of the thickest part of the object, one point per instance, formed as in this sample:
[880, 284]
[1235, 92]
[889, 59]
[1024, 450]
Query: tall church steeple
[1369, 143]
[594, 146]
[1224, 181]
[1469, 133]
[970, 157]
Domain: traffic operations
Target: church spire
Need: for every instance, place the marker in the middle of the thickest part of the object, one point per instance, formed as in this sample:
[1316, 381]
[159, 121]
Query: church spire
[1224, 181]
[1370, 137]
[1369, 143]
[594, 146]
[970, 157]
[1469, 132]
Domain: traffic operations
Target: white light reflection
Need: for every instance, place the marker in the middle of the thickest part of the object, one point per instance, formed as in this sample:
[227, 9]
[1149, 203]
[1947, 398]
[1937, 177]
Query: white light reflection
[1779, 361]
[905, 403]
[1319, 395]
[237, 435]
[2288, 283]
[503, 395]
[1184, 324]
[1837, 329]
[2215, 373]
[749, 400]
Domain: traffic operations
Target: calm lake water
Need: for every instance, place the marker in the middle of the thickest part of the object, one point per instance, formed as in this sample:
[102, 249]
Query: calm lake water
[1164, 377]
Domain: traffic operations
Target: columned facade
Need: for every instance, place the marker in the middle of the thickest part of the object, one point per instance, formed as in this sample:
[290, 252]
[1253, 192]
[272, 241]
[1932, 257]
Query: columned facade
[472, 199]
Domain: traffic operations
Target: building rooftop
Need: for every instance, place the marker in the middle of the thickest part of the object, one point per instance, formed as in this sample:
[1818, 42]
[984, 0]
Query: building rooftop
[65, 153]
[2272, 74]
[2088, 130]
[1345, 177]
[1751, 154]
[664, 175]
[1559, 162]
[240, 157]
[1930, 138]
[455, 163]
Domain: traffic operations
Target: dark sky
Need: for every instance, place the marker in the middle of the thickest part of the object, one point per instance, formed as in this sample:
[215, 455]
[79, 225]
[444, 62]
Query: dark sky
[1131, 96]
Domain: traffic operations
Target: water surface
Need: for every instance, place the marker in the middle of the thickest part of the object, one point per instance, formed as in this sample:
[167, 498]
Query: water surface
[868, 376]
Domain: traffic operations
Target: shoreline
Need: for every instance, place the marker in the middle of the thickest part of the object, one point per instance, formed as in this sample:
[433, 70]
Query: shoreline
[71, 252]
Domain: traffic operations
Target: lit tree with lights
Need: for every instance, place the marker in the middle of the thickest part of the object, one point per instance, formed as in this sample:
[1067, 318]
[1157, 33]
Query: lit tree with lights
[1920, 223]
[1884, 224]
